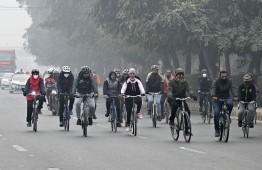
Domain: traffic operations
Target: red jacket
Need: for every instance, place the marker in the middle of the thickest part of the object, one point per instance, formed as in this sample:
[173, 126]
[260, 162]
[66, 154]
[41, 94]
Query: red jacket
[49, 80]
[166, 82]
[34, 85]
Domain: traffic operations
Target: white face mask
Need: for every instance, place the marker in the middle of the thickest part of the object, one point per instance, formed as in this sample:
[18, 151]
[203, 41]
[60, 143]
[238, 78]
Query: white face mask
[204, 75]
[66, 75]
[35, 76]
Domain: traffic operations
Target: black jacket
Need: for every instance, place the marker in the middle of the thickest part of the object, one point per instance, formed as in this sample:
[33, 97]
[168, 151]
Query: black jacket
[204, 84]
[154, 83]
[65, 84]
[221, 90]
[84, 85]
[246, 94]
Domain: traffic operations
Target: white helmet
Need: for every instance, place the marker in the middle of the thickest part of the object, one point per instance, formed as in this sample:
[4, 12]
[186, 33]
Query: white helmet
[66, 69]
[50, 70]
[155, 67]
[126, 71]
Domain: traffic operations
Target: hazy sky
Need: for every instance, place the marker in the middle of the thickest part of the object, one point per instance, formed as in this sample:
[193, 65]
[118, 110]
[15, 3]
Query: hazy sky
[13, 24]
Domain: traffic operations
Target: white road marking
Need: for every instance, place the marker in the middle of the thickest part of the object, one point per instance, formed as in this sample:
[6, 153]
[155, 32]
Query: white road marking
[101, 126]
[19, 148]
[142, 137]
[53, 169]
[75, 118]
[14, 97]
[31, 155]
[192, 150]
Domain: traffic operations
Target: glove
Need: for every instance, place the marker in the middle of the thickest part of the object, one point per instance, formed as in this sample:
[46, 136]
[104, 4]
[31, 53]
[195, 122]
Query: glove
[95, 95]
[142, 94]
[122, 94]
[24, 93]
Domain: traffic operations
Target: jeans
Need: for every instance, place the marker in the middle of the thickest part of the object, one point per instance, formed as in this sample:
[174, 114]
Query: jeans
[30, 107]
[217, 107]
[251, 108]
[150, 102]
[91, 105]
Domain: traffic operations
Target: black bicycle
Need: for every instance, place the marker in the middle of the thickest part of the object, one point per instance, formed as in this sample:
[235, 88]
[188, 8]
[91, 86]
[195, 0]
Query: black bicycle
[66, 116]
[113, 114]
[181, 122]
[206, 108]
[224, 121]
[35, 113]
[133, 120]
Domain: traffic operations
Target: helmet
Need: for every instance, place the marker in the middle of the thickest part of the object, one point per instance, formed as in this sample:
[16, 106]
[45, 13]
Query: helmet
[50, 70]
[66, 69]
[247, 78]
[55, 71]
[179, 70]
[154, 67]
[85, 69]
[117, 71]
[35, 71]
[125, 71]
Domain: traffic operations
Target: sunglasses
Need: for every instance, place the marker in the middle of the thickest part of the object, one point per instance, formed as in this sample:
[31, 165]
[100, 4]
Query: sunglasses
[132, 73]
[180, 74]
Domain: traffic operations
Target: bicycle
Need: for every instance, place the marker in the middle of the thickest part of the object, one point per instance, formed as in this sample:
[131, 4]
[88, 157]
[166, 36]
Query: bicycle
[224, 121]
[166, 109]
[35, 113]
[113, 114]
[181, 122]
[66, 116]
[85, 112]
[206, 112]
[245, 120]
[154, 109]
[133, 120]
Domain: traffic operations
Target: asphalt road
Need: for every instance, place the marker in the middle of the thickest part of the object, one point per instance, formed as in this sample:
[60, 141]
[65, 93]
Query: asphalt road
[55, 149]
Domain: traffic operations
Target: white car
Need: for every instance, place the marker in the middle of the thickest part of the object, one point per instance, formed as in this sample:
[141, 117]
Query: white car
[5, 80]
[17, 82]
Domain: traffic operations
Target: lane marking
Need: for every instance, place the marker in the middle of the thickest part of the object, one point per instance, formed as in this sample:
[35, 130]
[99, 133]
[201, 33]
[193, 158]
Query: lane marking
[142, 137]
[19, 148]
[53, 168]
[31, 155]
[101, 126]
[192, 150]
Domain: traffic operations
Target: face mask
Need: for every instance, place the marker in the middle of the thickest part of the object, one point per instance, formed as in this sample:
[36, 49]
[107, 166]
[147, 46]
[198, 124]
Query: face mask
[168, 76]
[223, 80]
[132, 78]
[66, 75]
[35, 76]
[204, 75]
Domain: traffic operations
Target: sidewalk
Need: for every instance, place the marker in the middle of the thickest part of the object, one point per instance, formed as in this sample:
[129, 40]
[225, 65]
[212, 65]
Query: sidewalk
[194, 107]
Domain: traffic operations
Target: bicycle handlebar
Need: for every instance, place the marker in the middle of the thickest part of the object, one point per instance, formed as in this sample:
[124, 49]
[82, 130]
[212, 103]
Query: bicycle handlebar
[83, 95]
[157, 93]
[183, 98]
[128, 96]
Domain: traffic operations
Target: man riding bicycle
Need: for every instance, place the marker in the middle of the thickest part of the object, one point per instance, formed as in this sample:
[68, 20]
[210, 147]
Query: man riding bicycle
[85, 84]
[220, 90]
[204, 83]
[246, 93]
[34, 84]
[133, 87]
[154, 84]
[64, 85]
[50, 83]
[112, 87]
[117, 71]
[177, 88]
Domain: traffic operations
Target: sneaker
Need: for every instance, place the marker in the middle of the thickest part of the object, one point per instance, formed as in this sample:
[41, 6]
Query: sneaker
[171, 123]
[149, 112]
[90, 121]
[94, 116]
[217, 133]
[251, 125]
[29, 124]
[61, 124]
[239, 123]
[70, 112]
[118, 125]
[78, 122]
[200, 109]
[159, 118]
[187, 133]
[139, 115]
[107, 114]
[128, 128]
[39, 111]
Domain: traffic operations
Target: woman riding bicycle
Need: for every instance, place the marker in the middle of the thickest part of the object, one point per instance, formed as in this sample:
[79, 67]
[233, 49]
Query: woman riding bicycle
[132, 86]
[246, 93]
[34, 84]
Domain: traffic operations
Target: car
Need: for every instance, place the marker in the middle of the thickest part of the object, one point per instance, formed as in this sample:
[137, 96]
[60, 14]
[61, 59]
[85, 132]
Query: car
[5, 80]
[17, 82]
[1, 77]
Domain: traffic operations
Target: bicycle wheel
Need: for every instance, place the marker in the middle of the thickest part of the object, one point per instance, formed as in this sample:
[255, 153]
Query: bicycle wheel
[154, 116]
[35, 119]
[187, 128]
[135, 125]
[209, 113]
[167, 109]
[221, 127]
[244, 124]
[204, 113]
[65, 123]
[124, 113]
[226, 127]
[68, 122]
[85, 123]
[175, 129]
[247, 124]
[132, 122]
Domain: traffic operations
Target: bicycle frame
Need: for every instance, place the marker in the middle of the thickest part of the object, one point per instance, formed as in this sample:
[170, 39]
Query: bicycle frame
[154, 109]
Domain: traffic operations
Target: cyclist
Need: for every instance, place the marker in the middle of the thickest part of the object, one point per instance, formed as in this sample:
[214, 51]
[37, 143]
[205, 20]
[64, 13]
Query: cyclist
[254, 82]
[112, 87]
[154, 84]
[132, 86]
[85, 84]
[96, 77]
[117, 71]
[64, 85]
[246, 93]
[220, 90]
[204, 83]
[49, 84]
[34, 83]
[167, 76]
[56, 74]
[177, 88]
[122, 79]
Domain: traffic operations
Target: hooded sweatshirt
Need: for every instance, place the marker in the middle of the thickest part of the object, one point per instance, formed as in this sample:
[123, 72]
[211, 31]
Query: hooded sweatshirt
[111, 87]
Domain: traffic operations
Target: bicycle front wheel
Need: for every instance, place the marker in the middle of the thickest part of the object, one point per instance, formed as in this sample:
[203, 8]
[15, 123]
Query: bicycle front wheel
[187, 127]
[226, 127]
[167, 110]
[175, 129]
[154, 116]
[35, 120]
[135, 125]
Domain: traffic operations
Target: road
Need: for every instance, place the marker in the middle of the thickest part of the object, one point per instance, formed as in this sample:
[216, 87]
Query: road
[55, 149]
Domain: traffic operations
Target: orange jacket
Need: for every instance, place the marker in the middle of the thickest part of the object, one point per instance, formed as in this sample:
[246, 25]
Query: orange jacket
[97, 78]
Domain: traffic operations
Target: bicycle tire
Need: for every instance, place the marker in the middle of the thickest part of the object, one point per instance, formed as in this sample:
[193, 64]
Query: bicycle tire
[189, 128]
[209, 114]
[135, 124]
[175, 129]
[247, 124]
[132, 122]
[35, 119]
[221, 127]
[167, 109]
[226, 128]
[244, 124]
[204, 113]
[65, 123]
[154, 116]
[85, 123]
